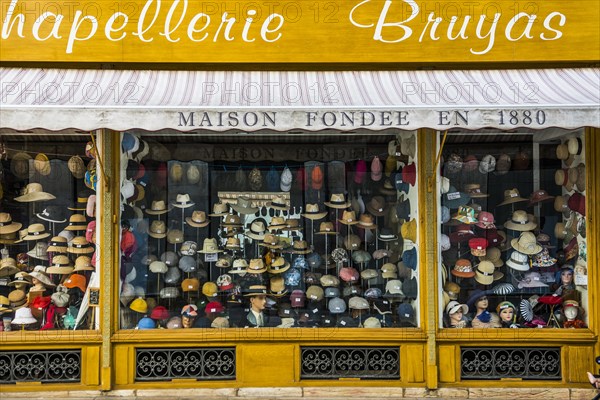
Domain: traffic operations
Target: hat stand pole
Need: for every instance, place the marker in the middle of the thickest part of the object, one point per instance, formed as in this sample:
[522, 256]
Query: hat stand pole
[197, 242]
[351, 261]
[158, 285]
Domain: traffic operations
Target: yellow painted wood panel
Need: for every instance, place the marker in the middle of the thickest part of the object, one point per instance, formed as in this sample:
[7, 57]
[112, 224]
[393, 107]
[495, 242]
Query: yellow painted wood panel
[266, 364]
[124, 362]
[90, 358]
[579, 361]
[412, 363]
[448, 359]
[289, 31]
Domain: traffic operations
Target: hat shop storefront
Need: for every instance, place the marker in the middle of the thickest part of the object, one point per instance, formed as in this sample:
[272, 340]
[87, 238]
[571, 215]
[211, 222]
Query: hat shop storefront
[339, 228]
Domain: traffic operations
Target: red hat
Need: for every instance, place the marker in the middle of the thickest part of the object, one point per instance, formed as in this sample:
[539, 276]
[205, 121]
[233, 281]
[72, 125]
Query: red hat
[41, 302]
[572, 249]
[409, 174]
[493, 237]
[462, 233]
[376, 169]
[90, 230]
[214, 307]
[577, 203]
[361, 171]
[159, 313]
[349, 274]
[486, 220]
[478, 246]
[317, 177]
[300, 178]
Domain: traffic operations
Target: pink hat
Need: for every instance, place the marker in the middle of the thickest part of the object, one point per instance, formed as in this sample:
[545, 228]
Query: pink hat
[89, 231]
[349, 274]
[376, 169]
[361, 171]
[90, 208]
[486, 220]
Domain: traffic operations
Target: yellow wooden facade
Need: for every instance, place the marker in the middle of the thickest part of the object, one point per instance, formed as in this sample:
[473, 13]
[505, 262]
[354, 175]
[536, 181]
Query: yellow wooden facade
[429, 355]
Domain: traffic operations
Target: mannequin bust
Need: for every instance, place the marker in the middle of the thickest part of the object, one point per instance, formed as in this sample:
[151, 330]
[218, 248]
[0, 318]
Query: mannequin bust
[506, 313]
[455, 315]
[256, 316]
[571, 313]
[188, 316]
[482, 318]
[566, 281]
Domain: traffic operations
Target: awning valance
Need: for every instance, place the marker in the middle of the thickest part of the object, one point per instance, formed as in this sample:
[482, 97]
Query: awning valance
[57, 99]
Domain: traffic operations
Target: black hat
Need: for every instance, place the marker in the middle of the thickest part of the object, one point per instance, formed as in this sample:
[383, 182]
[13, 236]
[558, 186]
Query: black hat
[54, 214]
[410, 288]
[347, 322]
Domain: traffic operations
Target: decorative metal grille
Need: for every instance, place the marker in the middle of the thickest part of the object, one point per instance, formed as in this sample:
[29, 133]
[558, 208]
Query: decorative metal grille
[51, 366]
[489, 363]
[350, 362]
[210, 363]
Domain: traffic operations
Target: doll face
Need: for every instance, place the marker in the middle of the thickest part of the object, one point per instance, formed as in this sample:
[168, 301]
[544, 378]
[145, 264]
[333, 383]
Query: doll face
[566, 277]
[457, 316]
[507, 314]
[570, 313]
[187, 322]
[482, 302]
[258, 303]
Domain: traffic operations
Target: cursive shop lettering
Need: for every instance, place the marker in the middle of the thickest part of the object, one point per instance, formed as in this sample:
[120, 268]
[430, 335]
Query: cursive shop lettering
[400, 20]
[173, 23]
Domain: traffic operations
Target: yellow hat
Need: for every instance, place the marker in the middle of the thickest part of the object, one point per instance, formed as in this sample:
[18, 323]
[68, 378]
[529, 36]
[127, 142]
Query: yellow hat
[409, 230]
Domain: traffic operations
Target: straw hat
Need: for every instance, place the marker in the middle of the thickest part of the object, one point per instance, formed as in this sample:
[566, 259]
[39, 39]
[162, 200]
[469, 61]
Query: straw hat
[83, 263]
[244, 205]
[8, 266]
[484, 272]
[349, 218]
[338, 201]
[19, 165]
[580, 182]
[76, 166]
[474, 190]
[232, 220]
[257, 230]
[183, 201]
[219, 210]
[562, 151]
[278, 266]
[520, 221]
[366, 221]
[574, 146]
[210, 246]
[158, 207]
[77, 222]
[271, 241]
[7, 225]
[61, 265]
[36, 232]
[313, 212]
[197, 220]
[158, 230]
[277, 223]
[79, 245]
[34, 192]
[58, 244]
[511, 196]
[300, 247]
[41, 163]
[326, 228]
[278, 203]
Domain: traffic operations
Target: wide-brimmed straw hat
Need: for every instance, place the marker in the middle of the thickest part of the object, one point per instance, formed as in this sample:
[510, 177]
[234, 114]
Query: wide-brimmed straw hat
[313, 212]
[349, 218]
[198, 219]
[7, 225]
[183, 201]
[158, 207]
[326, 228]
[337, 200]
[526, 243]
[158, 230]
[244, 205]
[511, 196]
[34, 192]
[61, 265]
[520, 221]
[36, 232]
[257, 230]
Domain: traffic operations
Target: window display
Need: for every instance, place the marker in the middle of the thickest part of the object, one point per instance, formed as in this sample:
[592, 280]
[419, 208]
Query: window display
[47, 230]
[268, 230]
[513, 231]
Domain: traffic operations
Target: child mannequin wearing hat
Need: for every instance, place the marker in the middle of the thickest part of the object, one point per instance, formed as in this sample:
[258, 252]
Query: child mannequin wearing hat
[506, 313]
[571, 315]
[482, 318]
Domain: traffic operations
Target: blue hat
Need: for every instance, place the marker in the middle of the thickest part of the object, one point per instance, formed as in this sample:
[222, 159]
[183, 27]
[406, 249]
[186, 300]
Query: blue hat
[400, 185]
[477, 294]
[292, 277]
[454, 199]
[272, 180]
[315, 260]
[410, 258]
[406, 311]
[410, 288]
[300, 262]
[445, 214]
[146, 323]
[129, 142]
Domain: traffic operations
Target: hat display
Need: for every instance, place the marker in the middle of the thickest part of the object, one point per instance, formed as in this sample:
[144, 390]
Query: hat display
[244, 205]
[520, 221]
[36, 232]
[34, 192]
[511, 196]
[77, 222]
[197, 220]
[183, 201]
[257, 230]
[209, 246]
[338, 201]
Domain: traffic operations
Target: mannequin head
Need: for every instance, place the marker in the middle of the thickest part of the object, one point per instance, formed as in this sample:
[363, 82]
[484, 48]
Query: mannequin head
[566, 276]
[482, 303]
[258, 302]
[506, 312]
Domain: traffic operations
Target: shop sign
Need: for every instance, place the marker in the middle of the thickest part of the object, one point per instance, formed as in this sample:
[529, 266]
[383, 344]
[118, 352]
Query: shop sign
[298, 31]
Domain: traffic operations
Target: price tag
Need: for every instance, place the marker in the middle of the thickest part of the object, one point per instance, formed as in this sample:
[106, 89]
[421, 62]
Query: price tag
[581, 280]
[453, 195]
[211, 257]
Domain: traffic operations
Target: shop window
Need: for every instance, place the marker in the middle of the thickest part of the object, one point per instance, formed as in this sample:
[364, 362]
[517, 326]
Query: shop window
[513, 230]
[47, 230]
[269, 230]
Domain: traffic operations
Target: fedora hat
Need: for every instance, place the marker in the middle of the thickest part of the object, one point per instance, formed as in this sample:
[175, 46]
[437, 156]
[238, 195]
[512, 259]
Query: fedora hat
[338, 201]
[300, 247]
[244, 205]
[257, 230]
[77, 222]
[219, 210]
[255, 290]
[484, 272]
[158, 229]
[36, 232]
[376, 206]
[34, 192]
[277, 286]
[79, 245]
[19, 165]
[271, 241]
[209, 246]
[256, 266]
[313, 212]
[277, 223]
[366, 221]
[7, 225]
[232, 220]
[539, 196]
[292, 224]
[349, 218]
[279, 203]
[233, 243]
[183, 201]
[511, 196]
[474, 191]
[198, 219]
[158, 207]
[278, 266]
[520, 221]
[326, 228]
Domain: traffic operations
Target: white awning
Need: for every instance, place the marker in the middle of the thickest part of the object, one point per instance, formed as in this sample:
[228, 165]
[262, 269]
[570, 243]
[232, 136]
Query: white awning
[58, 99]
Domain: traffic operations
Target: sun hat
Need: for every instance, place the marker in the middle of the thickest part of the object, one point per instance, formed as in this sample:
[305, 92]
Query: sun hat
[300, 247]
[76, 281]
[257, 230]
[466, 215]
[39, 251]
[463, 269]
[511, 196]
[232, 220]
[79, 245]
[198, 219]
[338, 201]
[366, 221]
[233, 243]
[279, 202]
[183, 201]
[520, 221]
[526, 243]
[36, 232]
[531, 279]
[474, 191]
[518, 261]
[23, 316]
[493, 254]
[7, 225]
[326, 228]
[158, 229]
[454, 199]
[244, 205]
[61, 265]
[277, 223]
[257, 266]
[8, 266]
[484, 272]
[278, 266]
[312, 212]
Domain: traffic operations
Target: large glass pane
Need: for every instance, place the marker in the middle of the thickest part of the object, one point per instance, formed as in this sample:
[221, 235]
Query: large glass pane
[513, 230]
[47, 230]
[268, 229]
